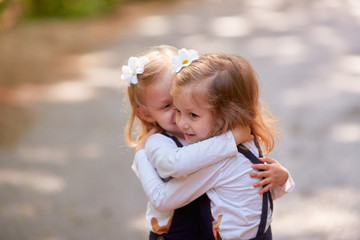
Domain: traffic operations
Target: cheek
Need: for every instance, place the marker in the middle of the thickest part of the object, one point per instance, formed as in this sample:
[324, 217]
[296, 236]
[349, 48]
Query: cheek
[160, 118]
[208, 132]
[167, 117]
[210, 127]
[203, 131]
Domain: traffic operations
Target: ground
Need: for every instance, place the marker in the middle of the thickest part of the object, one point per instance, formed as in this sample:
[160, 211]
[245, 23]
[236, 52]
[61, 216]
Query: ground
[68, 175]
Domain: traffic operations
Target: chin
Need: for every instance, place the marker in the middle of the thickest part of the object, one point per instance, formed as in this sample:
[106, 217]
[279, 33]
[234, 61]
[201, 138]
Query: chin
[191, 140]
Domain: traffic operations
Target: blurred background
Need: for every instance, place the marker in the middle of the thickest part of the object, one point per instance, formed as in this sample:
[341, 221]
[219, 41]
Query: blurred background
[64, 167]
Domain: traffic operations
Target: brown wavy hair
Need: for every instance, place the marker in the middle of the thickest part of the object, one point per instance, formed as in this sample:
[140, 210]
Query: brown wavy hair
[230, 86]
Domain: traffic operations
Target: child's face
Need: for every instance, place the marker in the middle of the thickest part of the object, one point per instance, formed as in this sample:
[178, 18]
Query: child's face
[193, 117]
[159, 104]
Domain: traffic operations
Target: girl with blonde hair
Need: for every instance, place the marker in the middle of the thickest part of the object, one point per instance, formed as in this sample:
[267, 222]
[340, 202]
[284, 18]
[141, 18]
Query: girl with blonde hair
[149, 80]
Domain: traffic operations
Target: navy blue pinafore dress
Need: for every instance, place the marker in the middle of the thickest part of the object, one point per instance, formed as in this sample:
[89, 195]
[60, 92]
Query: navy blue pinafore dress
[191, 222]
[267, 199]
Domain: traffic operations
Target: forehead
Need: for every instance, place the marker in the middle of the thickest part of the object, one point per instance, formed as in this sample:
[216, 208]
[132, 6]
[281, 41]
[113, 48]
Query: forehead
[189, 96]
[159, 91]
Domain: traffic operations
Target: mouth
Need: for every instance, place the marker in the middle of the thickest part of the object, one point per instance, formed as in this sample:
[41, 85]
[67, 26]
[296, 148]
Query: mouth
[189, 135]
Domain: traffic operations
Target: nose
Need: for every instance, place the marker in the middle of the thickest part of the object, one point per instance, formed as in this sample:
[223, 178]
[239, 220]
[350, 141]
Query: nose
[181, 122]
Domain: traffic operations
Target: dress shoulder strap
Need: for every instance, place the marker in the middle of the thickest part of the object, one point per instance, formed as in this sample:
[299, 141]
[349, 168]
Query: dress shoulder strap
[267, 198]
[178, 143]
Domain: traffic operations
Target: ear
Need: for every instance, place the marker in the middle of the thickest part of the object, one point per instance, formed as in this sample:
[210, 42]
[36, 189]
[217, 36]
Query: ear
[144, 114]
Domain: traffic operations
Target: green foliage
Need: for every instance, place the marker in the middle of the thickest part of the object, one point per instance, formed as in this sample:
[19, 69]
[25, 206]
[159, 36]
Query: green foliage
[3, 5]
[31, 9]
[66, 8]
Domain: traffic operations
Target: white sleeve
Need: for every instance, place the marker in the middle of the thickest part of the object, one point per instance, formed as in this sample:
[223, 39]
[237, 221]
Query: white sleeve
[139, 154]
[169, 160]
[279, 191]
[166, 196]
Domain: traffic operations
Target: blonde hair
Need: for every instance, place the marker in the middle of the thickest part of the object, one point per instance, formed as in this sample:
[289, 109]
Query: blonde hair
[230, 86]
[160, 61]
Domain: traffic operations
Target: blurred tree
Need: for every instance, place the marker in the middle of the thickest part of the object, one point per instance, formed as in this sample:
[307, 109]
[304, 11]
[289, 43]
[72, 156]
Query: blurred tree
[67, 8]
[10, 13]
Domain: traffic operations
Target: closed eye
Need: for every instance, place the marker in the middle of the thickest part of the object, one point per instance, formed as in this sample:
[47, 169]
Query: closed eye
[193, 115]
[167, 106]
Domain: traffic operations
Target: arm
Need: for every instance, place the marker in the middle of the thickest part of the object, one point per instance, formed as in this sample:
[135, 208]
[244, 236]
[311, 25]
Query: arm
[138, 155]
[275, 177]
[139, 150]
[141, 142]
[169, 160]
[177, 192]
[279, 191]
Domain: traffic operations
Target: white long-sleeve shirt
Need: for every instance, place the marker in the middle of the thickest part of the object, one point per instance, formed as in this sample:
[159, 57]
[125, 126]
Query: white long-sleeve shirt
[171, 165]
[227, 183]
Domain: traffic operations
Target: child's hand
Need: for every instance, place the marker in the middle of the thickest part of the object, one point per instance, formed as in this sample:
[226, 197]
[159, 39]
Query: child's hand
[242, 134]
[141, 143]
[273, 174]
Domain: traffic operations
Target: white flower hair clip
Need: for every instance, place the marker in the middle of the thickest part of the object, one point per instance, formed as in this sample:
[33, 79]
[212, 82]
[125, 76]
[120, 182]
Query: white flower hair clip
[135, 66]
[184, 58]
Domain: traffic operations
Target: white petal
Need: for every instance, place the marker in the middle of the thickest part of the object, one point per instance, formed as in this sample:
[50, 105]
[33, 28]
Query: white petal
[132, 63]
[133, 80]
[144, 60]
[131, 60]
[139, 69]
[175, 60]
[193, 54]
[126, 73]
[183, 54]
[125, 68]
[140, 64]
